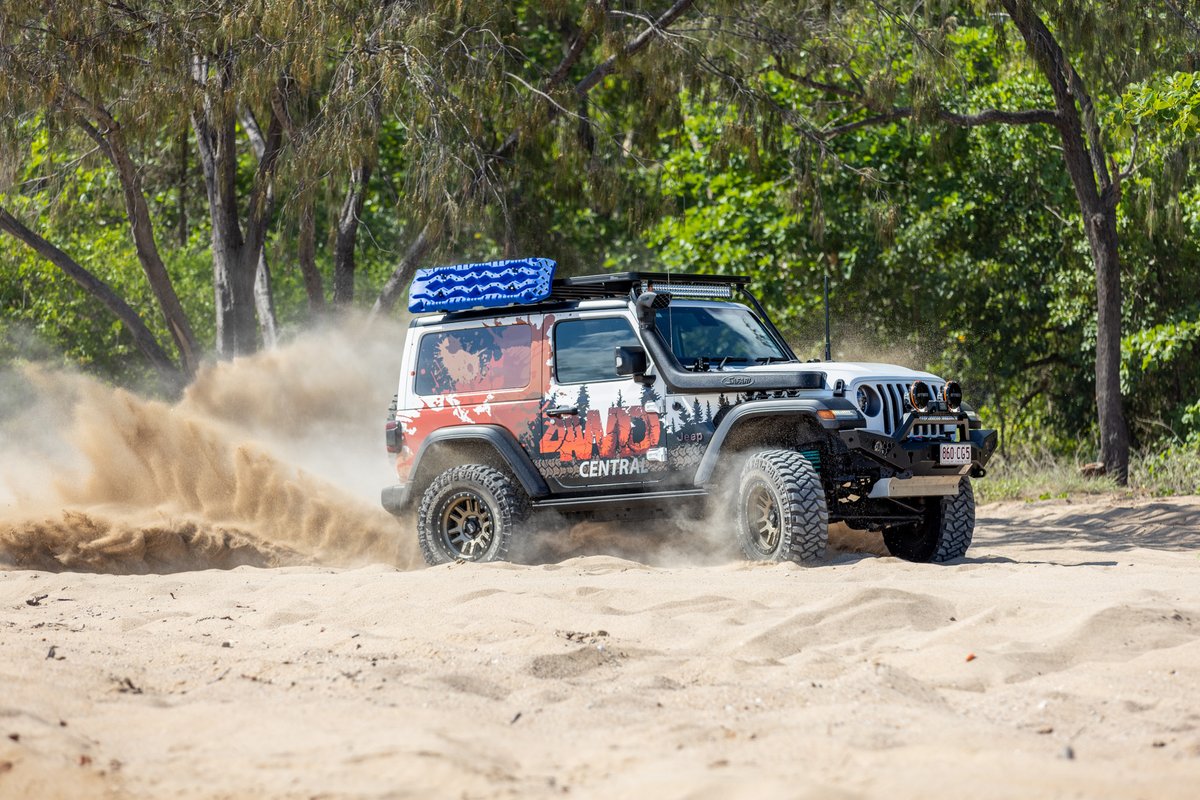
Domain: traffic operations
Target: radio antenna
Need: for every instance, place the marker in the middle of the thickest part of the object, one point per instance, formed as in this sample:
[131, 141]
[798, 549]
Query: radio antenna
[828, 347]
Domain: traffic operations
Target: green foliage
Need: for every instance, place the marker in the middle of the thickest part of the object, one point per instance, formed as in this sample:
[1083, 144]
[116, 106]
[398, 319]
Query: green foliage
[1158, 365]
[1032, 474]
[944, 247]
[1171, 471]
[1167, 104]
[1161, 344]
[959, 250]
[729, 148]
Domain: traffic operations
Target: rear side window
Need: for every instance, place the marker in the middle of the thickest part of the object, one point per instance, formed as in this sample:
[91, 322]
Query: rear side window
[481, 359]
[583, 348]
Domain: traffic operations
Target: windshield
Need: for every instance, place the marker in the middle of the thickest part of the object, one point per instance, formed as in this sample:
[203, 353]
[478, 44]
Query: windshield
[714, 337]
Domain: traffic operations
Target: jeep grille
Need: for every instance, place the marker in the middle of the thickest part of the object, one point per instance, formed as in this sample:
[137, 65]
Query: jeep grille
[894, 398]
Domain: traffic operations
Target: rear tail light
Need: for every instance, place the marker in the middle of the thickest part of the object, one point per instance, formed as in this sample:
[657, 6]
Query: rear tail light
[394, 436]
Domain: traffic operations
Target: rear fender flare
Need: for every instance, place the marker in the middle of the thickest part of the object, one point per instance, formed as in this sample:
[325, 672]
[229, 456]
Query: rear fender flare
[501, 440]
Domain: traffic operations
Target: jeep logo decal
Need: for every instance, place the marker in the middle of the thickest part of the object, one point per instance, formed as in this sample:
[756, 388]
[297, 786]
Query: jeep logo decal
[737, 380]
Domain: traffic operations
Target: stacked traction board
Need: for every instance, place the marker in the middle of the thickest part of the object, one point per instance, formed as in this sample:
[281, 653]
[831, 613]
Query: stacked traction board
[493, 284]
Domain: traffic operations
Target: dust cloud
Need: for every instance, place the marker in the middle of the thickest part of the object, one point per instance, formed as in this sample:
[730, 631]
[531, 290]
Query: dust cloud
[696, 533]
[270, 460]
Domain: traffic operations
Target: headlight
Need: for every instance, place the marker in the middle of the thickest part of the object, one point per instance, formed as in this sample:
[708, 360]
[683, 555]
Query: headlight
[952, 395]
[920, 396]
[868, 401]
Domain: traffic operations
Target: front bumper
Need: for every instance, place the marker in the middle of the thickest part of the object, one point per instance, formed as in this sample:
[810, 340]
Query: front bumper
[917, 456]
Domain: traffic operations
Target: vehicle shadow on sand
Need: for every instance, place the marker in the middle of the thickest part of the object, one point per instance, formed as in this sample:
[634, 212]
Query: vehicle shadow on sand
[669, 543]
[1100, 527]
[655, 543]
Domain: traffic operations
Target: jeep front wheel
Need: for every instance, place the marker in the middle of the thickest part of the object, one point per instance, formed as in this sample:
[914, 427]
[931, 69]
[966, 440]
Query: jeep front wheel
[943, 535]
[781, 512]
[468, 513]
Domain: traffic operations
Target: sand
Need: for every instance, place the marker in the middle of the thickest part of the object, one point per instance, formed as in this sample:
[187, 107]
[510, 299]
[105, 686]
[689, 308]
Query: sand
[1060, 659]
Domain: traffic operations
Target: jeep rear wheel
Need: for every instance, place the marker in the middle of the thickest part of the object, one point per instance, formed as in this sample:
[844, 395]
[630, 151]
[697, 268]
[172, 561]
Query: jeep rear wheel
[468, 513]
[781, 512]
[944, 534]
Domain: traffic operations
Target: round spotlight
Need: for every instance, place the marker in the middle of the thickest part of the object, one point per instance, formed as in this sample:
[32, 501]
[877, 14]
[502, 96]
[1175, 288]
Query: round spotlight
[920, 396]
[952, 395]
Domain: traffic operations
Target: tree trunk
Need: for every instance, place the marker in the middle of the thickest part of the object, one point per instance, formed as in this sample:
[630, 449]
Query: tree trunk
[233, 288]
[264, 296]
[264, 302]
[143, 339]
[236, 250]
[181, 188]
[111, 141]
[402, 276]
[314, 287]
[347, 236]
[1114, 431]
[1098, 194]
[156, 271]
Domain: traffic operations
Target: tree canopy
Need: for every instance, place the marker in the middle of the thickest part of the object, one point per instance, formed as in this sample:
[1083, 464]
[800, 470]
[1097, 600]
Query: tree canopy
[1004, 190]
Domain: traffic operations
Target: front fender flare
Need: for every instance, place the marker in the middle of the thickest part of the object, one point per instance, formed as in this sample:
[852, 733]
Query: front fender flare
[804, 407]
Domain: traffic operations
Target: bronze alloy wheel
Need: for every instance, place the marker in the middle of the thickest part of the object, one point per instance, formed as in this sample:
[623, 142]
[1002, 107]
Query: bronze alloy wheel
[469, 513]
[781, 512]
[466, 525]
[763, 518]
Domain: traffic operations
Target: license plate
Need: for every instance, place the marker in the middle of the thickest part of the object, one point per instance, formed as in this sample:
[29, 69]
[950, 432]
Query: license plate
[954, 454]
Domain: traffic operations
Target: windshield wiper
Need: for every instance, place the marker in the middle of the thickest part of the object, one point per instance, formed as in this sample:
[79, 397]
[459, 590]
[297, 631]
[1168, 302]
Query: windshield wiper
[771, 359]
[727, 359]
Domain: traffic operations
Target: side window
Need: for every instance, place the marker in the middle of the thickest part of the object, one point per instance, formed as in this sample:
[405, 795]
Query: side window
[480, 359]
[583, 348]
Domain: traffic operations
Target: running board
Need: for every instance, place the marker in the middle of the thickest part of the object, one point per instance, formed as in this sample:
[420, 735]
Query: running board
[616, 500]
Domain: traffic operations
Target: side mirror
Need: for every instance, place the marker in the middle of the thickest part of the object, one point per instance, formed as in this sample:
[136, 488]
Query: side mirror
[630, 361]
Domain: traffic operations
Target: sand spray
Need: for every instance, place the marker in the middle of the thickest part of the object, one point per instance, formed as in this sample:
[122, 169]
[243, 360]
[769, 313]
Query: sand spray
[268, 460]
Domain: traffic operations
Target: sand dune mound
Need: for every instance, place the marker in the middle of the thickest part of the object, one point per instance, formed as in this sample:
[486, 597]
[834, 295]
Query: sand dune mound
[120, 543]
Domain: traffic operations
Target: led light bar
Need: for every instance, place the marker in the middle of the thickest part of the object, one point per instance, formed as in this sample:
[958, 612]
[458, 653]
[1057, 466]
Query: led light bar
[494, 284]
[711, 291]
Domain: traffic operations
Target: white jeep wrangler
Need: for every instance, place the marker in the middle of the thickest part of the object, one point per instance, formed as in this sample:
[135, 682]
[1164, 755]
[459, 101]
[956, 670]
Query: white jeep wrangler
[639, 393]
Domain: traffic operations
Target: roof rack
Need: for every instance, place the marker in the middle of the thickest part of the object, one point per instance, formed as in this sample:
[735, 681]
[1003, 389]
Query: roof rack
[619, 284]
[530, 281]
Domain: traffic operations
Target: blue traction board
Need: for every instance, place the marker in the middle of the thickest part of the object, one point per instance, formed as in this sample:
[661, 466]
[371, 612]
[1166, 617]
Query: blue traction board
[490, 285]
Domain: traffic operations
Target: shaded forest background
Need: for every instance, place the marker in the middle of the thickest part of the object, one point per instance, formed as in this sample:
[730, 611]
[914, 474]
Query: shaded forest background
[183, 180]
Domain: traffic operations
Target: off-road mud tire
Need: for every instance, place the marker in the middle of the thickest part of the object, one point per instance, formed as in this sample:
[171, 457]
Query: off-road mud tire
[786, 479]
[496, 493]
[943, 536]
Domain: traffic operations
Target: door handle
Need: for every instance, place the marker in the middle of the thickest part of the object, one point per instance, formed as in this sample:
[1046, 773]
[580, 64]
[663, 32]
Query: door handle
[562, 411]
